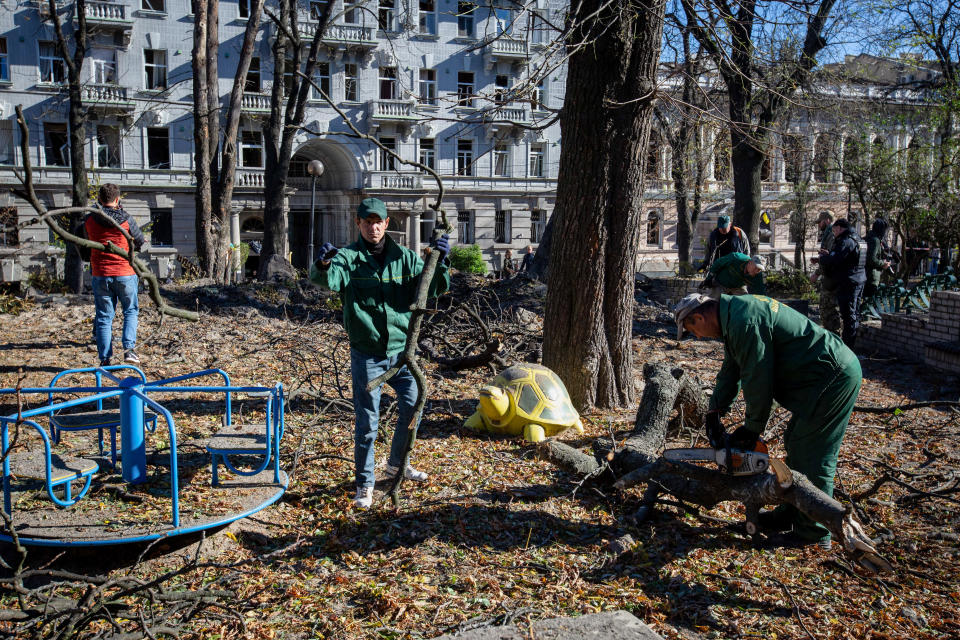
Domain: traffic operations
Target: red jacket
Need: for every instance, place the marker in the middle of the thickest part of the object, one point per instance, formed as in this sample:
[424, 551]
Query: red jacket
[109, 264]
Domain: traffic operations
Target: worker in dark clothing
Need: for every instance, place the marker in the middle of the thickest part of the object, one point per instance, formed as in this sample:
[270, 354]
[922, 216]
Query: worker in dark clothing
[876, 263]
[777, 354]
[527, 262]
[735, 274]
[844, 265]
[724, 240]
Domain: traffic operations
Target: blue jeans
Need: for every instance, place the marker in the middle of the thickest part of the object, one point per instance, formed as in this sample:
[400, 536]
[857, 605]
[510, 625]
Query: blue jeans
[107, 292]
[364, 368]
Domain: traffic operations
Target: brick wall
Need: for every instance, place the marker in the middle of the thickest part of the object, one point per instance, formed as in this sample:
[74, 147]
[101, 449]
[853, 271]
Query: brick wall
[670, 290]
[932, 338]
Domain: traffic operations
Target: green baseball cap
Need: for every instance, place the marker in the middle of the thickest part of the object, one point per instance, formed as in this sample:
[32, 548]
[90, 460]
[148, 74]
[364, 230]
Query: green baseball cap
[372, 206]
[722, 221]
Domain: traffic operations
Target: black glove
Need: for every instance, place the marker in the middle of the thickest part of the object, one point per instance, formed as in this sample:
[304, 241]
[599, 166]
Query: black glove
[442, 244]
[327, 251]
[715, 430]
[744, 439]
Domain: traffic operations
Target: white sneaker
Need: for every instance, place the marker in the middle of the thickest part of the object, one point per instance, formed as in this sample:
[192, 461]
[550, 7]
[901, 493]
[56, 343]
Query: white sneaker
[409, 473]
[364, 499]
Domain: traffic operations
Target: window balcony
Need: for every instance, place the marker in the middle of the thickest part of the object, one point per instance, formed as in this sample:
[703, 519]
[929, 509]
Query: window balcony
[505, 49]
[107, 98]
[397, 111]
[247, 178]
[395, 180]
[343, 36]
[255, 104]
[110, 17]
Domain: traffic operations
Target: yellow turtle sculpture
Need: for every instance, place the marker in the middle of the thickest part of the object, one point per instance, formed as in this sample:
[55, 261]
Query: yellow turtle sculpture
[528, 400]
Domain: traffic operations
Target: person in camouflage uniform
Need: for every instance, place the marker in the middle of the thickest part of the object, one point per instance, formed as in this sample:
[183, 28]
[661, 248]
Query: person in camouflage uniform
[829, 308]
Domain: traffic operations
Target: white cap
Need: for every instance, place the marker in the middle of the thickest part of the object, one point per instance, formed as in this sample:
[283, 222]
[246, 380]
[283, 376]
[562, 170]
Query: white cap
[685, 306]
[760, 261]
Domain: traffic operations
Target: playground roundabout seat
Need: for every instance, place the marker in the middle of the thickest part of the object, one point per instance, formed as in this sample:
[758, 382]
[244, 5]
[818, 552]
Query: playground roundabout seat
[61, 491]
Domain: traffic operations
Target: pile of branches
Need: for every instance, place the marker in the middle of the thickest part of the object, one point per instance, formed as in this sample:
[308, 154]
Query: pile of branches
[482, 329]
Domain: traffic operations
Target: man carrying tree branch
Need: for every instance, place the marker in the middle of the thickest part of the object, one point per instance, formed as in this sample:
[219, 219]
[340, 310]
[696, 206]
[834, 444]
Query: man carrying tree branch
[377, 280]
[777, 354]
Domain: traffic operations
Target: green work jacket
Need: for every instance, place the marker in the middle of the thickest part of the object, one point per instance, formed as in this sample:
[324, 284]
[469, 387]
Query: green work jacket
[729, 271]
[376, 300]
[774, 353]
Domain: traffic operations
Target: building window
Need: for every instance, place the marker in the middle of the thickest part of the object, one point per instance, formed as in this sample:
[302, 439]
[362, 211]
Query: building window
[504, 20]
[321, 79]
[540, 96]
[501, 160]
[251, 148]
[388, 83]
[502, 234]
[9, 233]
[465, 227]
[316, 8]
[539, 30]
[52, 70]
[158, 148]
[465, 15]
[464, 157]
[385, 15]
[103, 63]
[350, 82]
[56, 144]
[244, 8]
[351, 13]
[161, 227]
[465, 88]
[428, 17]
[6, 141]
[108, 147]
[428, 153]
[289, 76]
[536, 160]
[153, 5]
[502, 87]
[654, 228]
[155, 68]
[538, 223]
[428, 86]
[252, 83]
[387, 161]
[4, 61]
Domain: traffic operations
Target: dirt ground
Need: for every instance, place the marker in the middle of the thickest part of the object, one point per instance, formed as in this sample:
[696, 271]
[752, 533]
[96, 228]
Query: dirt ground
[498, 535]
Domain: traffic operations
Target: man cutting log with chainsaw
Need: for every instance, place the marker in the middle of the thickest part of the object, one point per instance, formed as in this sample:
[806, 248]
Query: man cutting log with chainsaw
[776, 354]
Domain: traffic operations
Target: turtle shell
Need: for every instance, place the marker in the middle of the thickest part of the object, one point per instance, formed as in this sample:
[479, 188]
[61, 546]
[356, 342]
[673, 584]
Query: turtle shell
[539, 394]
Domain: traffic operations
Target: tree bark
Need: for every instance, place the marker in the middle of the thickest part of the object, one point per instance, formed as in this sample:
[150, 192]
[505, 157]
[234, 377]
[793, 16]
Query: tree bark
[202, 140]
[605, 121]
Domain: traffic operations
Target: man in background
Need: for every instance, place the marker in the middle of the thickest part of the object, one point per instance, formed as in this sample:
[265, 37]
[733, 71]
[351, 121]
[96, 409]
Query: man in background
[829, 311]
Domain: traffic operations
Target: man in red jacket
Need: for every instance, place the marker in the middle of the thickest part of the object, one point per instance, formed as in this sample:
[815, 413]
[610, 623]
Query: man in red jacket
[114, 280]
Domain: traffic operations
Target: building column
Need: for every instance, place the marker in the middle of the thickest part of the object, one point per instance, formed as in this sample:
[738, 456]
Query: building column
[413, 230]
[236, 267]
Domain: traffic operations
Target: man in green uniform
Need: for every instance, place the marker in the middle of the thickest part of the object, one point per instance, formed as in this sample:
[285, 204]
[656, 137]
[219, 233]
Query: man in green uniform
[876, 263]
[776, 354]
[735, 274]
[829, 307]
[377, 280]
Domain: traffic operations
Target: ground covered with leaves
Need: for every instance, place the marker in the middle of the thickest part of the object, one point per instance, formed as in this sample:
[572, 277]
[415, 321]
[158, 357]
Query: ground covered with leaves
[496, 535]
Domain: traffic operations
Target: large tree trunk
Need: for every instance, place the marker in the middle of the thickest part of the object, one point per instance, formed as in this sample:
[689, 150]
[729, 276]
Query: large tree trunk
[606, 122]
[204, 144]
[747, 161]
[639, 461]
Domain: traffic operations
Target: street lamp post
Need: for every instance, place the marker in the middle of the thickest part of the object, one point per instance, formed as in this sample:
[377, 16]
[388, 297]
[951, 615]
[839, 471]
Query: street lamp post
[315, 169]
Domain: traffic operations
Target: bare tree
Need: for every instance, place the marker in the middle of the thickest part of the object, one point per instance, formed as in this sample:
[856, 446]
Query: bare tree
[758, 90]
[606, 121]
[75, 37]
[216, 163]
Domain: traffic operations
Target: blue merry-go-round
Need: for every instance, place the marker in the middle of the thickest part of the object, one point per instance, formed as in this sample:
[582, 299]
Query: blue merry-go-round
[61, 488]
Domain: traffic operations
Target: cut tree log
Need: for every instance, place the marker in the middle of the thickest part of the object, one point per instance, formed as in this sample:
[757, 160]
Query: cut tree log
[638, 460]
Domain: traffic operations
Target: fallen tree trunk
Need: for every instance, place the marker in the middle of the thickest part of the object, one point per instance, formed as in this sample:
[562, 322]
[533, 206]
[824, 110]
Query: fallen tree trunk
[638, 460]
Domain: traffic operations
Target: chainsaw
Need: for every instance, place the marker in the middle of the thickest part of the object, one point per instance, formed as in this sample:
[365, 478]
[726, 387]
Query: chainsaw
[741, 462]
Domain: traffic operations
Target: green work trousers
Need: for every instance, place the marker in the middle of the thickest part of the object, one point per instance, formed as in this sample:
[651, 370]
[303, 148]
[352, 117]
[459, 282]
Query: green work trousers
[812, 440]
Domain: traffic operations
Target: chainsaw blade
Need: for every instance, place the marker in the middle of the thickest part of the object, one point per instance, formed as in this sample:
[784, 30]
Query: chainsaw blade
[744, 463]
